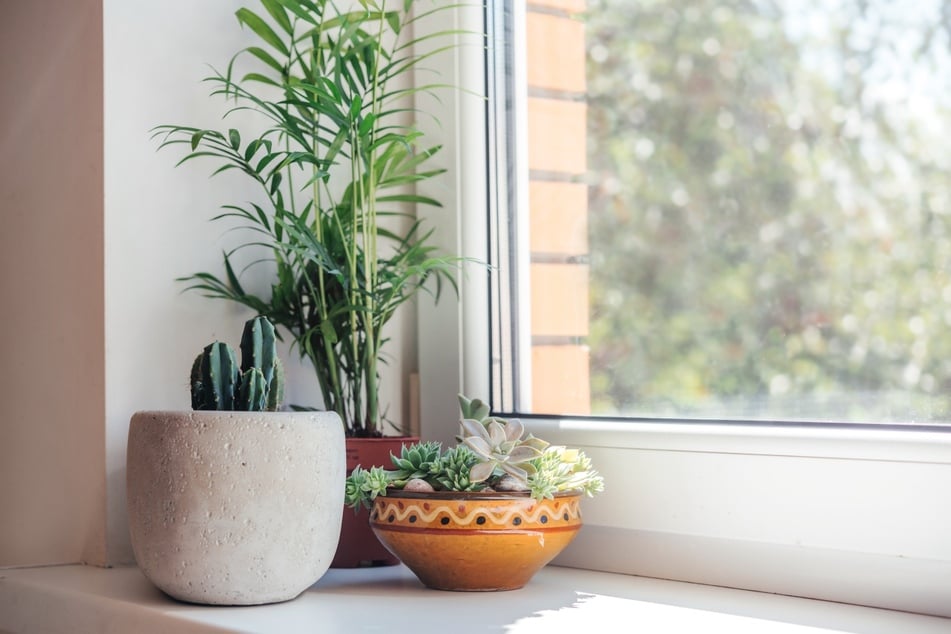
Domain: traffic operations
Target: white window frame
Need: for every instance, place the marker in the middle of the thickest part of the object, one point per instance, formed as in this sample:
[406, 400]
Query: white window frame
[849, 513]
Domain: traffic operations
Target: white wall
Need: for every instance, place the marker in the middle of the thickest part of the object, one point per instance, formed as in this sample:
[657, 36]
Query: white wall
[156, 217]
[158, 228]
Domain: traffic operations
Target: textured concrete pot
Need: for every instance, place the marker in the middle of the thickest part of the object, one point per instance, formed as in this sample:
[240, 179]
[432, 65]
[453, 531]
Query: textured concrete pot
[235, 508]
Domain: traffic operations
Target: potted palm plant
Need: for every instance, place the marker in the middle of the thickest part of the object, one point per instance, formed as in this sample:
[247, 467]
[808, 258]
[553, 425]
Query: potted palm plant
[336, 157]
[486, 514]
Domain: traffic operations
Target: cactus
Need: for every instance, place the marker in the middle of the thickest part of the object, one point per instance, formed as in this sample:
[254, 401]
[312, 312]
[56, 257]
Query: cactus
[214, 375]
[275, 393]
[217, 383]
[258, 347]
[252, 394]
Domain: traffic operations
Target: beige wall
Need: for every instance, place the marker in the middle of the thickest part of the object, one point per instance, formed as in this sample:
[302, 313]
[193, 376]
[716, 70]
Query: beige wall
[52, 372]
[96, 226]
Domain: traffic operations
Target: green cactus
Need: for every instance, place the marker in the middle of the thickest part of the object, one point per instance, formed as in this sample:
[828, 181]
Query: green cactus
[275, 392]
[252, 394]
[217, 383]
[214, 375]
[258, 347]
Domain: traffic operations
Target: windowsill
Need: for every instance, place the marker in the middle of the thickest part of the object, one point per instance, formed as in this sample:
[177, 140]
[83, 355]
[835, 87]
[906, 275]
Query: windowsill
[855, 515]
[86, 599]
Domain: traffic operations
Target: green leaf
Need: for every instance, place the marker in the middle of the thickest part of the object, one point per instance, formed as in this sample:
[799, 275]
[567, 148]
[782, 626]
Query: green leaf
[393, 18]
[261, 28]
[265, 57]
[366, 126]
[276, 182]
[307, 11]
[409, 198]
[232, 278]
[258, 77]
[197, 137]
[235, 138]
[327, 331]
[280, 16]
[264, 162]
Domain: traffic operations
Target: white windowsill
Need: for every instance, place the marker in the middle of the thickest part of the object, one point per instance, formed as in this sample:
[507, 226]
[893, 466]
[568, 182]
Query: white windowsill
[850, 515]
[80, 599]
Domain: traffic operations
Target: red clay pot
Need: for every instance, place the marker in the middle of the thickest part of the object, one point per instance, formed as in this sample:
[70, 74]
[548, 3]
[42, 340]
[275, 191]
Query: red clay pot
[358, 546]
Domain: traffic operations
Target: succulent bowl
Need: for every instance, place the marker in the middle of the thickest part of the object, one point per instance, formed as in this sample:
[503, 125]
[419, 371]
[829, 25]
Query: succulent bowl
[475, 541]
[485, 514]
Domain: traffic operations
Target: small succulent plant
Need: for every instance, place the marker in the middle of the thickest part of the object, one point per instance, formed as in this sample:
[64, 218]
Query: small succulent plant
[218, 383]
[492, 454]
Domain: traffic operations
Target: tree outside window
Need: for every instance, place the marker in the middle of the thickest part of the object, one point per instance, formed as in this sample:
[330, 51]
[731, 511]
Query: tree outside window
[767, 209]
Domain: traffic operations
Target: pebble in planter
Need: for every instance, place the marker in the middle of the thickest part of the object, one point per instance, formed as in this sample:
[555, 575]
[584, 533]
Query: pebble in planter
[235, 503]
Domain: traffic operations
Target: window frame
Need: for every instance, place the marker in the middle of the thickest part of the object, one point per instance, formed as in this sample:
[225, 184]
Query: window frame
[851, 513]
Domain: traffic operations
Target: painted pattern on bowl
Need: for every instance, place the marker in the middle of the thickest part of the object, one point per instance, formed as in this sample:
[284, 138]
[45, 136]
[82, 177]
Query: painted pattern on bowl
[454, 541]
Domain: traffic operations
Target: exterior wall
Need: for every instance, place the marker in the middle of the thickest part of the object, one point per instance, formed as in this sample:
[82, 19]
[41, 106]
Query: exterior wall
[557, 157]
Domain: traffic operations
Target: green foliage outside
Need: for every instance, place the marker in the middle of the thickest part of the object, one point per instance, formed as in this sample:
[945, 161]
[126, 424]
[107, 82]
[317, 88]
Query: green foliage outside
[770, 208]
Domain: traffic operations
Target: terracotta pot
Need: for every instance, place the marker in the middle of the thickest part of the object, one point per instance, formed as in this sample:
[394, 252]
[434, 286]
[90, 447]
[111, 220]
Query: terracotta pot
[475, 541]
[234, 508]
[358, 547]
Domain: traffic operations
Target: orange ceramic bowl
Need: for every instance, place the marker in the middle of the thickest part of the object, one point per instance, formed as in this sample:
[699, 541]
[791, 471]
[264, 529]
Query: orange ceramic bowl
[475, 541]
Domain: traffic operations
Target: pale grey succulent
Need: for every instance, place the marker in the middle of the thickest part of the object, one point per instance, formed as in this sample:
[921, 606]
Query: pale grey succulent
[499, 446]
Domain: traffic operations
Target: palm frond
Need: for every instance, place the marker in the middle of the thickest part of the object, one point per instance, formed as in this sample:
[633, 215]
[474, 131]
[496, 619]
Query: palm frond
[333, 155]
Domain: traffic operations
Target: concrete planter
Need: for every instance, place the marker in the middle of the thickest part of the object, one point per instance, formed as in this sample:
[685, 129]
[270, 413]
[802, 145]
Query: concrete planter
[235, 508]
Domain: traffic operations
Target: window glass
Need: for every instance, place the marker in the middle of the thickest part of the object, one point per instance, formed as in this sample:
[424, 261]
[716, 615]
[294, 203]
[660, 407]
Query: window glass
[732, 209]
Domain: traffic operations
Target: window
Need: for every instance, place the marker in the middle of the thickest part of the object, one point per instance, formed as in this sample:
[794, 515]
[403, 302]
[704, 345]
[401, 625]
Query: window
[851, 513]
[724, 209]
